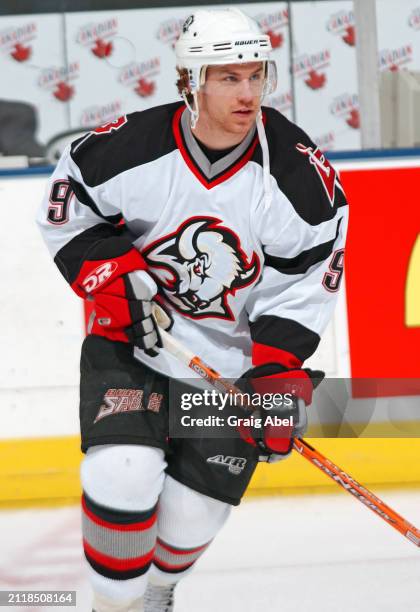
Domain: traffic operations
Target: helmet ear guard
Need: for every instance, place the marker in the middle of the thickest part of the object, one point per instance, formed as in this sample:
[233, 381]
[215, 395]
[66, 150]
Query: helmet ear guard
[270, 78]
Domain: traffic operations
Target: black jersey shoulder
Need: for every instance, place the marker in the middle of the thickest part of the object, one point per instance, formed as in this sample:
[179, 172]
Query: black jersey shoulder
[142, 138]
[297, 176]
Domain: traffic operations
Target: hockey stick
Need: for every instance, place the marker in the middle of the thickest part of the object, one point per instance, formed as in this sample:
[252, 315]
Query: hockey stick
[301, 446]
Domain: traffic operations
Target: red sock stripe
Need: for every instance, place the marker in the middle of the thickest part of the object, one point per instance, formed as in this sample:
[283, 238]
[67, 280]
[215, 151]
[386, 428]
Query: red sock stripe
[262, 354]
[171, 559]
[181, 551]
[114, 563]
[170, 566]
[140, 526]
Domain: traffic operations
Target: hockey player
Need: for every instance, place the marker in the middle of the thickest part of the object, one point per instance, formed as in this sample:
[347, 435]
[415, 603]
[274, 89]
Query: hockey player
[237, 219]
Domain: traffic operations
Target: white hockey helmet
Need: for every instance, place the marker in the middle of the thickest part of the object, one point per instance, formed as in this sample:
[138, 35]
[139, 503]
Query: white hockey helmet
[214, 37]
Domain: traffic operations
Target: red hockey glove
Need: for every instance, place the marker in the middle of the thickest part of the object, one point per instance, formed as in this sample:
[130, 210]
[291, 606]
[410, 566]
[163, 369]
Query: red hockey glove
[113, 276]
[123, 312]
[288, 392]
[106, 261]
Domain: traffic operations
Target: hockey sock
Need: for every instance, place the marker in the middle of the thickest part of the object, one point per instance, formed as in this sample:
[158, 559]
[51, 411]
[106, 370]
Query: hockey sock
[118, 544]
[174, 560]
[187, 523]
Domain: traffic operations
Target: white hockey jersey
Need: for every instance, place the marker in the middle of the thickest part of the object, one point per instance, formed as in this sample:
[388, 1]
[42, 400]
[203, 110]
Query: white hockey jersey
[243, 281]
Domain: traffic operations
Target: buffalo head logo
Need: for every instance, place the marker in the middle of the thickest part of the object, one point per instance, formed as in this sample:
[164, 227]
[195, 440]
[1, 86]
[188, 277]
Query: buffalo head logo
[199, 264]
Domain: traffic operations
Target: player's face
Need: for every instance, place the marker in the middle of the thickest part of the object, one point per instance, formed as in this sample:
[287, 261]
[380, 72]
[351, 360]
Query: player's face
[231, 96]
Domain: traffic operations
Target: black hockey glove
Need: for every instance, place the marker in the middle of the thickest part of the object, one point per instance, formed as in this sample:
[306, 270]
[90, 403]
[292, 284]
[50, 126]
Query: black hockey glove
[284, 394]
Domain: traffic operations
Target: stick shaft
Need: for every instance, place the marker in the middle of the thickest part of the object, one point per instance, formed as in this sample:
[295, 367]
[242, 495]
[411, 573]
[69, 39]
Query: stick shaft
[360, 492]
[307, 451]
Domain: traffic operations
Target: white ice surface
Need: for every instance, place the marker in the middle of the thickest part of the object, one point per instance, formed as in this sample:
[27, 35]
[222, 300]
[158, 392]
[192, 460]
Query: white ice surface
[286, 554]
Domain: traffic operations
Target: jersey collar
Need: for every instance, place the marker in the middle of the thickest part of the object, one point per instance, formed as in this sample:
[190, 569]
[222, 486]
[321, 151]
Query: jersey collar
[209, 174]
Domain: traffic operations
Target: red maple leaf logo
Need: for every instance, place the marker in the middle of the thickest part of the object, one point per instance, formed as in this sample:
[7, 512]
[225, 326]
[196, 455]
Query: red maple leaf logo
[145, 88]
[316, 80]
[393, 68]
[354, 120]
[63, 91]
[276, 40]
[350, 36]
[21, 53]
[102, 49]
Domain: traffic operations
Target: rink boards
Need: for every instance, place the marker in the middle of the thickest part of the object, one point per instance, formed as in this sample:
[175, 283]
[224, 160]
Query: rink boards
[375, 333]
[46, 471]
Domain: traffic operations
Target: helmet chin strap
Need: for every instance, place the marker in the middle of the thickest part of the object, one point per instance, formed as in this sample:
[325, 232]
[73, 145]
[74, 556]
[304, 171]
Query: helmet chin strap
[268, 195]
[194, 112]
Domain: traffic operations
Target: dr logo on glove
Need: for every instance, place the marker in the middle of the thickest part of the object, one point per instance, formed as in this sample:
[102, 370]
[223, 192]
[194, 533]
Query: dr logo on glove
[123, 295]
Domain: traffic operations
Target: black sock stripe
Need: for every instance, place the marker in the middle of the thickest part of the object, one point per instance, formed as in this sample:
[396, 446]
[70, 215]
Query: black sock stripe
[118, 517]
[177, 570]
[115, 574]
